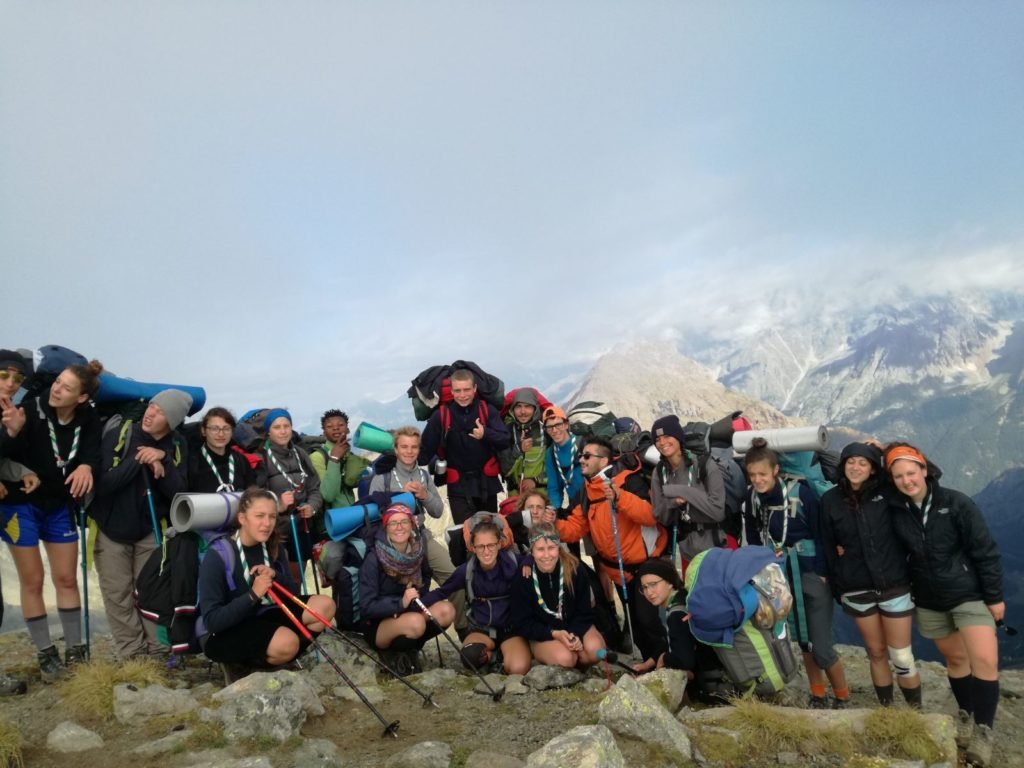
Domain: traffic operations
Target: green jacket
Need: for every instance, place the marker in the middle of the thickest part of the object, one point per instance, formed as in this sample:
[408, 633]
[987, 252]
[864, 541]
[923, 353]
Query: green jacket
[338, 479]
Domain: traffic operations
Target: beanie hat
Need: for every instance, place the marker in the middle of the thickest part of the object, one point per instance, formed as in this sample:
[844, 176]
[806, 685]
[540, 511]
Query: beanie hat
[396, 509]
[865, 451]
[11, 359]
[668, 426]
[663, 569]
[175, 404]
[273, 415]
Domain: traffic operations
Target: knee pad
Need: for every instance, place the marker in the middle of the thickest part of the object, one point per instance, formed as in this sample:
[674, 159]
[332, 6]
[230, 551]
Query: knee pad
[902, 661]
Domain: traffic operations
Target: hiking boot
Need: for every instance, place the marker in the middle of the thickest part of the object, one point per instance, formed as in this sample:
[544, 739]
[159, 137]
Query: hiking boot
[964, 728]
[75, 654]
[818, 702]
[979, 752]
[50, 668]
[11, 686]
[840, 703]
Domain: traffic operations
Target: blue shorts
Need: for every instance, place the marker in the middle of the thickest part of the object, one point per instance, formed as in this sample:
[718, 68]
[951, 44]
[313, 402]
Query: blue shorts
[892, 603]
[25, 525]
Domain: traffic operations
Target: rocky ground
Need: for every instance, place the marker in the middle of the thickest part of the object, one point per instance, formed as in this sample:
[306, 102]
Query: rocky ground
[195, 726]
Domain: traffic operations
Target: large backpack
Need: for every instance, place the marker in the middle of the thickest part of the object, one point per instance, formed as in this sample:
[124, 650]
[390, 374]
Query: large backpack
[167, 588]
[807, 466]
[47, 364]
[433, 387]
[738, 603]
[458, 536]
[699, 440]
[591, 419]
[340, 562]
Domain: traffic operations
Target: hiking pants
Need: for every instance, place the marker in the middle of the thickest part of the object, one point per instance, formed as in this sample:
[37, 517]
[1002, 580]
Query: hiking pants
[463, 507]
[818, 611]
[118, 566]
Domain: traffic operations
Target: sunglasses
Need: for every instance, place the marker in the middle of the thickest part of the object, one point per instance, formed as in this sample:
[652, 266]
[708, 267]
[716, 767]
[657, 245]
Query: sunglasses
[15, 375]
[589, 456]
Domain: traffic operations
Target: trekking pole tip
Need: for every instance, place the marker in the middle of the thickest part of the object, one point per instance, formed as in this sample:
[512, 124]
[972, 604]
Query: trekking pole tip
[391, 730]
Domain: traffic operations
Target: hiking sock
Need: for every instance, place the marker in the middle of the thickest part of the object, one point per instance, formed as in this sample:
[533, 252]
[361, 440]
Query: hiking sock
[403, 644]
[986, 699]
[843, 694]
[39, 631]
[71, 621]
[962, 692]
[818, 690]
[884, 694]
[911, 695]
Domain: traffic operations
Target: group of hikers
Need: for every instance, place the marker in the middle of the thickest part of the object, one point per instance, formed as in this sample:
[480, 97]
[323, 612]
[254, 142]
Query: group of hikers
[887, 542]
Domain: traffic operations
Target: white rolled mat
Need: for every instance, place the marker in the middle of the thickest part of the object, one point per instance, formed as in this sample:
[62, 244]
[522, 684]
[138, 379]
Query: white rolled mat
[203, 511]
[788, 439]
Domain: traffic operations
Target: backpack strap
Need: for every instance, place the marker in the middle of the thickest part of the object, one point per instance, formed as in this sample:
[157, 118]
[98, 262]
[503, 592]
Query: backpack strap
[123, 441]
[222, 546]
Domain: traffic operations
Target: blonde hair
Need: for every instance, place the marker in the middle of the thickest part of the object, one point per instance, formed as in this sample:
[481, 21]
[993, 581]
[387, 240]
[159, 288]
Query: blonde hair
[565, 557]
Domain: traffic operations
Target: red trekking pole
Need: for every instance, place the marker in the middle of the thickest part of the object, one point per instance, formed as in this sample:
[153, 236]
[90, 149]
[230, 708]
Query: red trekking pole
[390, 729]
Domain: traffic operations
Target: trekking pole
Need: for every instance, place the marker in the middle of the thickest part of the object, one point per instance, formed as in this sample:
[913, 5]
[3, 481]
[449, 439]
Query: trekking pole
[428, 699]
[152, 508]
[298, 553]
[622, 570]
[316, 580]
[495, 695]
[390, 729]
[83, 523]
[611, 657]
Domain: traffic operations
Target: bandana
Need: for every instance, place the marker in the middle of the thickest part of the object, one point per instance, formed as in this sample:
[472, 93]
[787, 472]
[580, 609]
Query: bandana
[904, 452]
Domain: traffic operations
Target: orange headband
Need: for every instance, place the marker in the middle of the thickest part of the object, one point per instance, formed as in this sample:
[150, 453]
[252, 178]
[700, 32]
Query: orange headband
[904, 452]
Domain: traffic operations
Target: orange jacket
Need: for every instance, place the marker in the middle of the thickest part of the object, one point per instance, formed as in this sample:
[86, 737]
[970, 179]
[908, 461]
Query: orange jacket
[633, 513]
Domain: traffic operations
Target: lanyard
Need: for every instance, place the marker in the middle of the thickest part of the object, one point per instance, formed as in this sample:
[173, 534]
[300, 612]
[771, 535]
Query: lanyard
[222, 486]
[62, 464]
[245, 565]
[280, 469]
[557, 613]
[763, 514]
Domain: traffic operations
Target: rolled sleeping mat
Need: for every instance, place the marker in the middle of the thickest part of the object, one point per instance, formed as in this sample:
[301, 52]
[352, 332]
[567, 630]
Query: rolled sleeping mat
[204, 511]
[344, 521]
[371, 438]
[784, 440]
[116, 389]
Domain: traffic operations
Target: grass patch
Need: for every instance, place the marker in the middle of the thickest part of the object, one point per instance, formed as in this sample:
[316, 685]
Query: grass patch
[165, 724]
[206, 736]
[765, 728]
[900, 733]
[89, 692]
[10, 746]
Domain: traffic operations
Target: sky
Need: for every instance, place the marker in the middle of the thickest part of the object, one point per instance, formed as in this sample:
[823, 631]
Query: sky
[307, 203]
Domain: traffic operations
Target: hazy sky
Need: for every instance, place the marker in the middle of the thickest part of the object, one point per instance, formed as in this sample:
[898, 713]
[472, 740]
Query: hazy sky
[306, 203]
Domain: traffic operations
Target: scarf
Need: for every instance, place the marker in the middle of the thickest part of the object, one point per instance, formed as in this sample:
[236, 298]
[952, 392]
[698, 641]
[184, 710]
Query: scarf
[405, 567]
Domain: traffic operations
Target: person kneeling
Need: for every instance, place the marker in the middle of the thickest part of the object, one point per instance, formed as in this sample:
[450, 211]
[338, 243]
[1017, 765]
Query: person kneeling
[389, 591]
[242, 627]
[551, 604]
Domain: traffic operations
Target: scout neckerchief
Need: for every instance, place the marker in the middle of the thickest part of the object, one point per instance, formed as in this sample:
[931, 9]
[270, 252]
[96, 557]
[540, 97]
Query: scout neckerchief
[572, 462]
[557, 613]
[62, 464]
[279, 468]
[763, 514]
[245, 565]
[222, 486]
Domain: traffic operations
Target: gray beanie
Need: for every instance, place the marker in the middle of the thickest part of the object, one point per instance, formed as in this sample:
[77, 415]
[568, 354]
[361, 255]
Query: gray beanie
[175, 404]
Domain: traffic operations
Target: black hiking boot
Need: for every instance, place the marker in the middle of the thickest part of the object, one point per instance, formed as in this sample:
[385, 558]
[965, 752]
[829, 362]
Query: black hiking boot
[75, 654]
[50, 668]
[11, 686]
[818, 702]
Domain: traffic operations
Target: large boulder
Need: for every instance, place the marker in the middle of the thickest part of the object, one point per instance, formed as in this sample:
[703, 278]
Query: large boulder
[585, 746]
[317, 753]
[280, 682]
[261, 715]
[542, 677]
[667, 685]
[71, 737]
[426, 754]
[631, 710]
[133, 704]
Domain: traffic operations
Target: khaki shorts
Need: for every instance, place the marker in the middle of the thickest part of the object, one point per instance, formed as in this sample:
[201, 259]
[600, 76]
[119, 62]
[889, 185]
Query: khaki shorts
[936, 625]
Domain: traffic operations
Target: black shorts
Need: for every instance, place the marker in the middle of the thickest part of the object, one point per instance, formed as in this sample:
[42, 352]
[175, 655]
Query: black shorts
[246, 643]
[498, 635]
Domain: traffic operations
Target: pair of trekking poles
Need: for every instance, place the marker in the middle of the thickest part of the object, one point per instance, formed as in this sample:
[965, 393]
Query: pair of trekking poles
[277, 592]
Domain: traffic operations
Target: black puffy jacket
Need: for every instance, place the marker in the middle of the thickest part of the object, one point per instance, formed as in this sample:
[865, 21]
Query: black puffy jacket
[953, 559]
[873, 557]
